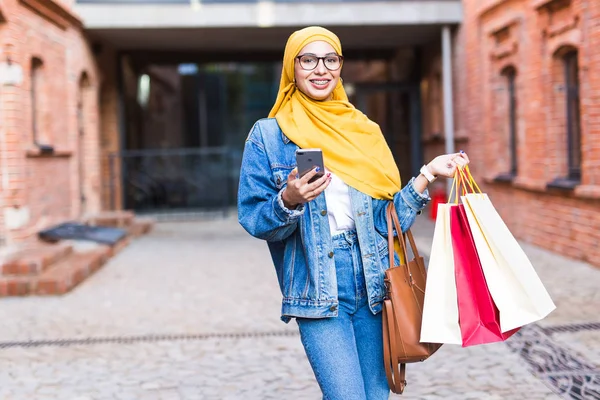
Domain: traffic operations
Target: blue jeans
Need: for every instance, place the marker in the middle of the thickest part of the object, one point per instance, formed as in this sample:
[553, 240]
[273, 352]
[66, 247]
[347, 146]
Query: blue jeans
[346, 352]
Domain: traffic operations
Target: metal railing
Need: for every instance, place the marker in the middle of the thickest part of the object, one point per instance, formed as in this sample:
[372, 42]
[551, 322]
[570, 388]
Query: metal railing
[174, 180]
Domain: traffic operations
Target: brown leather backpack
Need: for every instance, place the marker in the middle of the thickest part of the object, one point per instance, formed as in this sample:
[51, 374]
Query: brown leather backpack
[403, 309]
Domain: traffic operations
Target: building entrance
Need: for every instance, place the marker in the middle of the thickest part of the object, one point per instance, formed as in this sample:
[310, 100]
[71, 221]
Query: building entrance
[185, 126]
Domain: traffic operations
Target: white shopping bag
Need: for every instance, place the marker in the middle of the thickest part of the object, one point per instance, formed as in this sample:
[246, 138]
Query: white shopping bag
[514, 285]
[440, 309]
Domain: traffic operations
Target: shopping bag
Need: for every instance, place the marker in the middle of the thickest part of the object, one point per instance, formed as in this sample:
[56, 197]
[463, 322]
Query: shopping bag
[479, 318]
[440, 309]
[513, 283]
[500, 284]
[517, 289]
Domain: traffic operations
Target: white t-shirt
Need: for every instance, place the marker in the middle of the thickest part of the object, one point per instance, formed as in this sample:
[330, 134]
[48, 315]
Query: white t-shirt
[339, 209]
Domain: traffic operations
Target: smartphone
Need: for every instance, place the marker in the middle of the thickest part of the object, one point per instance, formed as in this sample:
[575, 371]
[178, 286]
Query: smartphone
[307, 160]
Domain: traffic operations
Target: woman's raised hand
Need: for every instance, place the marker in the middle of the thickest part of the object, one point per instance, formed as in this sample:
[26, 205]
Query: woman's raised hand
[446, 165]
[299, 190]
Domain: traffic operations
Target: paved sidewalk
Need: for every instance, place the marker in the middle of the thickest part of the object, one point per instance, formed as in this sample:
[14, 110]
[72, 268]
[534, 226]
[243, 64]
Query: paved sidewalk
[191, 311]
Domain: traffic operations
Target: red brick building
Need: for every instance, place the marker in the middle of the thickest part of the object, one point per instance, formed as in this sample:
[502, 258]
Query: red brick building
[49, 125]
[529, 104]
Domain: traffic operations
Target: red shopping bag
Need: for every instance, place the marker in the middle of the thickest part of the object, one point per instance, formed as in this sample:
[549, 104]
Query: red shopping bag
[478, 316]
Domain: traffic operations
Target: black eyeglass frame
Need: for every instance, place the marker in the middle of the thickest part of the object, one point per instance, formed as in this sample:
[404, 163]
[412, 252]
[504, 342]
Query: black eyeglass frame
[319, 59]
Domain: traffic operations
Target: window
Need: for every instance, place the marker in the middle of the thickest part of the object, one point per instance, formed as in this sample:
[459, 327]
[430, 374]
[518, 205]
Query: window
[35, 78]
[37, 106]
[510, 76]
[505, 121]
[571, 68]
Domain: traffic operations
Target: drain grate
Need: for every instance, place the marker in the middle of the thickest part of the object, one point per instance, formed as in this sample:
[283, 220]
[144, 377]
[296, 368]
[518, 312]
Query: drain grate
[143, 338]
[565, 372]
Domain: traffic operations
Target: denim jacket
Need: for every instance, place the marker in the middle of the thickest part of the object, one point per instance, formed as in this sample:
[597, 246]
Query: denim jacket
[299, 240]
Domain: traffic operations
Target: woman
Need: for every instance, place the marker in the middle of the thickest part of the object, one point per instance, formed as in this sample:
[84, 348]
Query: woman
[326, 238]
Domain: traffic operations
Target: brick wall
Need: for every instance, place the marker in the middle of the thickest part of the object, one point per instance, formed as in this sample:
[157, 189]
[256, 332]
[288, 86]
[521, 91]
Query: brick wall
[532, 37]
[45, 40]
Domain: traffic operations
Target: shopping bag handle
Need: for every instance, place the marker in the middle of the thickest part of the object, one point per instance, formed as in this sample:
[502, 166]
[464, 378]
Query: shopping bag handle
[393, 222]
[467, 177]
[459, 184]
[465, 181]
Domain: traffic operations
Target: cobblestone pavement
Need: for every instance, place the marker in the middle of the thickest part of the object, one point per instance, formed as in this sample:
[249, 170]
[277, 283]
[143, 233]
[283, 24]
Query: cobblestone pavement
[191, 311]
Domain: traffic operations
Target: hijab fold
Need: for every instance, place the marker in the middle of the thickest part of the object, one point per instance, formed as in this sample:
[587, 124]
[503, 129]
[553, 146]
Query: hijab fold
[353, 146]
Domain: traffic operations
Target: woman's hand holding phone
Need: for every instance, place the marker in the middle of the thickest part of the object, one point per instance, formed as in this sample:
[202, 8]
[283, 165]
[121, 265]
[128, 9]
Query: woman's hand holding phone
[299, 190]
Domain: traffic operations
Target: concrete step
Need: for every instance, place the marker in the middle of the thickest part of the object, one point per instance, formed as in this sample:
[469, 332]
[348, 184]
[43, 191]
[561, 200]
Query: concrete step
[55, 269]
[70, 272]
[15, 286]
[140, 226]
[34, 259]
[117, 247]
[59, 278]
[115, 219]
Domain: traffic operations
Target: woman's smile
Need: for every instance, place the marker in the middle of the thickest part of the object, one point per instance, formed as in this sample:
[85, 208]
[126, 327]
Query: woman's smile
[320, 84]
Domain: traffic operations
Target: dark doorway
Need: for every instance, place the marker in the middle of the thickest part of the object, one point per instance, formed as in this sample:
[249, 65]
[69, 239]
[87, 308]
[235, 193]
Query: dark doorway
[186, 124]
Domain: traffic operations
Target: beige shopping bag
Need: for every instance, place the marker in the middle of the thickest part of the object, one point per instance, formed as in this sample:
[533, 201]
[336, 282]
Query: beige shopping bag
[514, 285]
[440, 309]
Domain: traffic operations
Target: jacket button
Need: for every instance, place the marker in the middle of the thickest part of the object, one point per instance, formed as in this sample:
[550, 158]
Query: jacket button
[324, 212]
[330, 254]
[333, 308]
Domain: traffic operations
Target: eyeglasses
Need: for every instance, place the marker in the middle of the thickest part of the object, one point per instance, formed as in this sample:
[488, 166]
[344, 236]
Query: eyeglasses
[332, 62]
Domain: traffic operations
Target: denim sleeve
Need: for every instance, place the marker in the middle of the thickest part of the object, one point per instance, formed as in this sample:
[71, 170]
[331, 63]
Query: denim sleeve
[260, 207]
[408, 204]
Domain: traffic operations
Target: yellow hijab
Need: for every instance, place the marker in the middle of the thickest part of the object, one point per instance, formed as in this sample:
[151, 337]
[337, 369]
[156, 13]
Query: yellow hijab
[353, 146]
